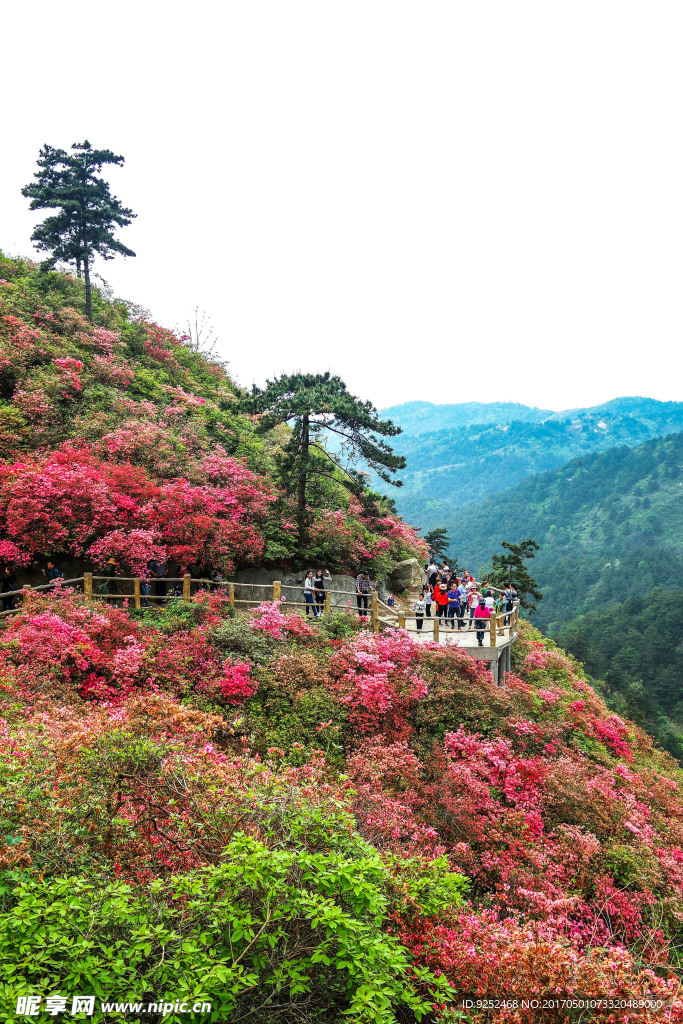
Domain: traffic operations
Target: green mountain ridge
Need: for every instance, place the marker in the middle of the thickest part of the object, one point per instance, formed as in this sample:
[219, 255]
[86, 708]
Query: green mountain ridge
[481, 450]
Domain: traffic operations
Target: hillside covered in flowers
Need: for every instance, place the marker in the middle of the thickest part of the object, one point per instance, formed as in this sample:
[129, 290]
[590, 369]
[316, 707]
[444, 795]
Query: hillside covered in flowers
[318, 823]
[294, 822]
[117, 440]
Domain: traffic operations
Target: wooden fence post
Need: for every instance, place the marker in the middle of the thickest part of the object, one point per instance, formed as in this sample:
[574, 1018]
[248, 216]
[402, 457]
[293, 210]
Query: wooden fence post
[231, 593]
[328, 603]
[187, 580]
[136, 592]
[401, 620]
[87, 585]
[436, 630]
[277, 590]
[374, 610]
[26, 596]
[492, 628]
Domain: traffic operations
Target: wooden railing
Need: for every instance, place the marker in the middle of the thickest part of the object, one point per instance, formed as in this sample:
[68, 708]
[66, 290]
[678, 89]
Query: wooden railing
[495, 625]
[138, 597]
[378, 612]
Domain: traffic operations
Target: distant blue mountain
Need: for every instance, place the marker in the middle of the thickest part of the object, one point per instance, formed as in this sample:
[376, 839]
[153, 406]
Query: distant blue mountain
[465, 452]
[425, 417]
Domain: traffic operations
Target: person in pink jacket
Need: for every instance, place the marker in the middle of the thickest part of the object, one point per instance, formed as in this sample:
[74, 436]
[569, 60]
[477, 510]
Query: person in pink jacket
[481, 615]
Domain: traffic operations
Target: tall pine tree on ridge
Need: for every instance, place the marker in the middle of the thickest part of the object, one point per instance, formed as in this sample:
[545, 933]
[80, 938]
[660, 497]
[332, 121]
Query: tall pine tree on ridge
[87, 213]
[313, 404]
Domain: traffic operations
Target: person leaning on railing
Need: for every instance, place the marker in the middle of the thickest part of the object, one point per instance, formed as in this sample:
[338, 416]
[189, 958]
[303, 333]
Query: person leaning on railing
[158, 570]
[510, 596]
[52, 572]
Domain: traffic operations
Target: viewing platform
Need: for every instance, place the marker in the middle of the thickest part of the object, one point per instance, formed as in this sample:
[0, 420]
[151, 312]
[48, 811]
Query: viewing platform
[499, 635]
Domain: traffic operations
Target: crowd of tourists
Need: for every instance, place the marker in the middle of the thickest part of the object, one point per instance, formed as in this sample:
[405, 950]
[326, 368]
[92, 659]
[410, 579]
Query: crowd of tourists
[458, 598]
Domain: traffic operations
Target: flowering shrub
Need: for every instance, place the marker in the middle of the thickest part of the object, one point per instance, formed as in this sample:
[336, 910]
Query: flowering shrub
[35, 406]
[236, 683]
[70, 370]
[107, 370]
[136, 548]
[206, 525]
[377, 681]
[268, 618]
[11, 555]
[48, 644]
[56, 505]
[72, 502]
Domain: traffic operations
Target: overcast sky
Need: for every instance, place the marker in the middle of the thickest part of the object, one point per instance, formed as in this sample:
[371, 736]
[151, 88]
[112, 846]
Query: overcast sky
[444, 200]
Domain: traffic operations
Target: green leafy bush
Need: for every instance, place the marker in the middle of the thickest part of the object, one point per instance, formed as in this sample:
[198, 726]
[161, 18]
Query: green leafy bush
[263, 933]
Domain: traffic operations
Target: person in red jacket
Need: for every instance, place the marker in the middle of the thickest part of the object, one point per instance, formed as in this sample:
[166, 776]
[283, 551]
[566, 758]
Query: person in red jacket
[481, 615]
[440, 597]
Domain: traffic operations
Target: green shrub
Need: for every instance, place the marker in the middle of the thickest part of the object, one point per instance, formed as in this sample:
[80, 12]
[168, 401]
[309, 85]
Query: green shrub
[341, 624]
[235, 636]
[298, 935]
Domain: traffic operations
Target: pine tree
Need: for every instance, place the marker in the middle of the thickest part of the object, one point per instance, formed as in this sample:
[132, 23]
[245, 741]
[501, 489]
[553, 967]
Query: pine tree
[313, 404]
[438, 541]
[510, 567]
[87, 213]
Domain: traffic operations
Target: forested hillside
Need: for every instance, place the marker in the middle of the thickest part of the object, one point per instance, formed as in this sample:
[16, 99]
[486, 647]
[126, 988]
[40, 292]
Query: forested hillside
[466, 452]
[610, 527]
[636, 648]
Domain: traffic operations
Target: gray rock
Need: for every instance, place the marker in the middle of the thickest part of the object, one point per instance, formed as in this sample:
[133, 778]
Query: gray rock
[405, 575]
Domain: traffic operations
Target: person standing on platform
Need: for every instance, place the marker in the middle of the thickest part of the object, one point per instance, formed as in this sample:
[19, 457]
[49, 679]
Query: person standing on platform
[9, 583]
[419, 609]
[108, 586]
[481, 616]
[309, 595]
[319, 590]
[472, 602]
[363, 588]
[440, 597]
